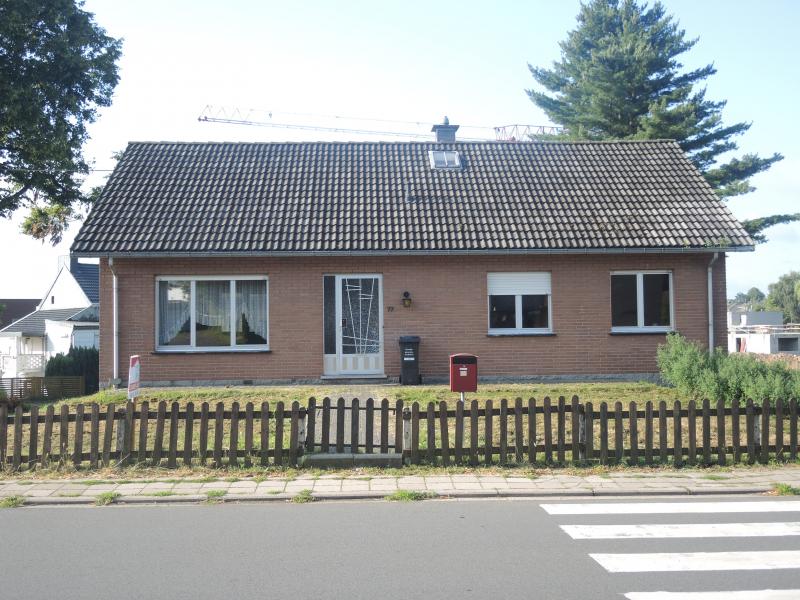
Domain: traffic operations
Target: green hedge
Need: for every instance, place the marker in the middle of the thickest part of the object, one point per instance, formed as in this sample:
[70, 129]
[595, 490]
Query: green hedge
[698, 374]
[78, 361]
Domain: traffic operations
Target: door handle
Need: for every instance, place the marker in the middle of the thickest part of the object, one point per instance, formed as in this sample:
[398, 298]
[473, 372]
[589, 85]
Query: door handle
[344, 322]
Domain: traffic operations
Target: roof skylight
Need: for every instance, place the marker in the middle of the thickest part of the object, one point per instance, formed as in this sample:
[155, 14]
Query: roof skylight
[444, 159]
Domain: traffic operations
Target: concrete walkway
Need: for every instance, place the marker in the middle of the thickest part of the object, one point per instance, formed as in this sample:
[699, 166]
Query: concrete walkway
[632, 483]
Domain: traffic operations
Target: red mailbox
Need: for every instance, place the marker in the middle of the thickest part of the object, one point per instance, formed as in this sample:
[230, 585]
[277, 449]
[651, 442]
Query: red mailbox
[463, 373]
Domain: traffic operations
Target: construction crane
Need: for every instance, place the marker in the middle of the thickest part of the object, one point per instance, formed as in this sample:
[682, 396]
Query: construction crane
[237, 116]
[517, 133]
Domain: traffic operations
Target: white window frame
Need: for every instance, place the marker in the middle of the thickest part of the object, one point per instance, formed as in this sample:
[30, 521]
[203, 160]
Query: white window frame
[519, 329]
[444, 153]
[193, 279]
[640, 327]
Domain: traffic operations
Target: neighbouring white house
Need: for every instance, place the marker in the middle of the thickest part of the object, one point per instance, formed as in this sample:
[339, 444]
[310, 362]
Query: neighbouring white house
[66, 317]
[762, 332]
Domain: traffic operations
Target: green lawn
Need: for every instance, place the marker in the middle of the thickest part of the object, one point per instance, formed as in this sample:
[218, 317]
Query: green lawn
[587, 392]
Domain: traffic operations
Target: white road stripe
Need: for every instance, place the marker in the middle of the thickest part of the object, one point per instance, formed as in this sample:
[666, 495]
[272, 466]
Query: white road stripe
[675, 530]
[645, 508]
[738, 595]
[698, 561]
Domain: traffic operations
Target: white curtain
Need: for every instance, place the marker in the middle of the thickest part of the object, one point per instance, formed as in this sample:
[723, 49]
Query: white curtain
[173, 311]
[251, 305]
[213, 304]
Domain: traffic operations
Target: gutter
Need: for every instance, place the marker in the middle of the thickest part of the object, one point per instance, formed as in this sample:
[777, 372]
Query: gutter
[115, 381]
[502, 252]
[711, 302]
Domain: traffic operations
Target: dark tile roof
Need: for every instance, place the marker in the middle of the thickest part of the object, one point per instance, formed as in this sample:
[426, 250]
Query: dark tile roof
[16, 308]
[33, 324]
[88, 277]
[382, 196]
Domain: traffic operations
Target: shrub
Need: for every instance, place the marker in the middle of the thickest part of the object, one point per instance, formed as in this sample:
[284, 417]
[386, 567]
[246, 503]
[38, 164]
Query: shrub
[699, 374]
[78, 361]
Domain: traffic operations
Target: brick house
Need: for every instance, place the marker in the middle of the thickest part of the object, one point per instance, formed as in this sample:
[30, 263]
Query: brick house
[258, 262]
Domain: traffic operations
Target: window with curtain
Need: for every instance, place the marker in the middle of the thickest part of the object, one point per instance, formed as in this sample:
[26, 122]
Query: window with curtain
[196, 313]
[519, 303]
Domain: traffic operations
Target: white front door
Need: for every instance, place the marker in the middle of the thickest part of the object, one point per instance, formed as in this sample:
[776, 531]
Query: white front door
[353, 316]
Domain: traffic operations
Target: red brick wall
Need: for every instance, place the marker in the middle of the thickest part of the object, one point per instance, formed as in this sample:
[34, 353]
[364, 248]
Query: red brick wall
[449, 312]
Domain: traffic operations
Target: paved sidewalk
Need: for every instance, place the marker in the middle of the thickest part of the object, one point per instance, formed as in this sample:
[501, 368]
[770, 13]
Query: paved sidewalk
[638, 483]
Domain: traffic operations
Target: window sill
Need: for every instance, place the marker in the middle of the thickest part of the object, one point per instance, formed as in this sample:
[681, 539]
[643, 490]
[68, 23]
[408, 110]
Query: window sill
[210, 351]
[522, 334]
[642, 332]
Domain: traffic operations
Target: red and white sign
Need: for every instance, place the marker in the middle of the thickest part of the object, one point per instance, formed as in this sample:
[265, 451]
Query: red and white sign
[133, 378]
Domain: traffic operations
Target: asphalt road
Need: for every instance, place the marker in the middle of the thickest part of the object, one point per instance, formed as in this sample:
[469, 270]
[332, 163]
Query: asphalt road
[433, 549]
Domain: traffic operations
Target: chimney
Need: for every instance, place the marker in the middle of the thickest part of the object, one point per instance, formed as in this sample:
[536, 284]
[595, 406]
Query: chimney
[445, 133]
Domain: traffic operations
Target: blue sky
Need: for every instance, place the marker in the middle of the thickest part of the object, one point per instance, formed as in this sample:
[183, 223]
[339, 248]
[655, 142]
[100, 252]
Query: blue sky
[413, 61]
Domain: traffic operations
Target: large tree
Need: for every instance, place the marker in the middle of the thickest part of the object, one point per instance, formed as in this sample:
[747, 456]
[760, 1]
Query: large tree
[619, 77]
[57, 67]
[784, 295]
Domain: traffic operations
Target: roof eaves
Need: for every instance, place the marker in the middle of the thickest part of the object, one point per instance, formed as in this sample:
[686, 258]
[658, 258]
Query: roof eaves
[401, 252]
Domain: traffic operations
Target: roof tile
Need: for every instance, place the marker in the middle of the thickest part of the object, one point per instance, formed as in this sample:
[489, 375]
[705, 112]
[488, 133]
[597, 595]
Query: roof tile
[176, 198]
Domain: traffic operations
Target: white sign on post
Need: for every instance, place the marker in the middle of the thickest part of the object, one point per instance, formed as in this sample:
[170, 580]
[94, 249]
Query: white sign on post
[133, 378]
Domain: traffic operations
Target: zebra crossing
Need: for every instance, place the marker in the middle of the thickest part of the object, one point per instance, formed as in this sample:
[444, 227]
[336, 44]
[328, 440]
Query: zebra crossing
[752, 536]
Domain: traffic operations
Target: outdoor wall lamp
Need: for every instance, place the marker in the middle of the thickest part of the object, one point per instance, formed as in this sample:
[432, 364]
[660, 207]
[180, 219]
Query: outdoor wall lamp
[406, 299]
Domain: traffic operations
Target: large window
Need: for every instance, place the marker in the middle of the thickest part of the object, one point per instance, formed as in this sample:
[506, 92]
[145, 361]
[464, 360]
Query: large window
[519, 303]
[211, 313]
[641, 301]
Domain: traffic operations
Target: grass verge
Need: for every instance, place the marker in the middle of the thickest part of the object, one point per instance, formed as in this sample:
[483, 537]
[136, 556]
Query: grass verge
[784, 489]
[106, 498]
[303, 497]
[12, 502]
[214, 496]
[410, 496]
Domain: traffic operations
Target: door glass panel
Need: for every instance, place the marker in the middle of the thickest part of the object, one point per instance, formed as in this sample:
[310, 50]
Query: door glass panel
[213, 313]
[251, 312]
[329, 313]
[623, 301]
[656, 299]
[502, 313]
[174, 316]
[360, 316]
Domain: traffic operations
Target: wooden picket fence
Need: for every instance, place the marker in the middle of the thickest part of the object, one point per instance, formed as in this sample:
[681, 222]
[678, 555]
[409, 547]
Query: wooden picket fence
[554, 432]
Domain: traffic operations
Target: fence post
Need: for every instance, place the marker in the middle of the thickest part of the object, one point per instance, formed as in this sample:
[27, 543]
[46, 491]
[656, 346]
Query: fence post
[575, 431]
[531, 430]
[3, 434]
[588, 434]
[779, 430]
[721, 441]
[756, 432]
[582, 437]
[459, 433]
[294, 433]
[677, 444]
[750, 426]
[633, 422]
[431, 439]
[406, 435]
[415, 433]
[765, 412]
[310, 425]
[603, 433]
[443, 433]
[33, 436]
[302, 432]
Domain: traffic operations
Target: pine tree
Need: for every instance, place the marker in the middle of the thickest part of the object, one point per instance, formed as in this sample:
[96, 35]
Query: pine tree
[619, 77]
